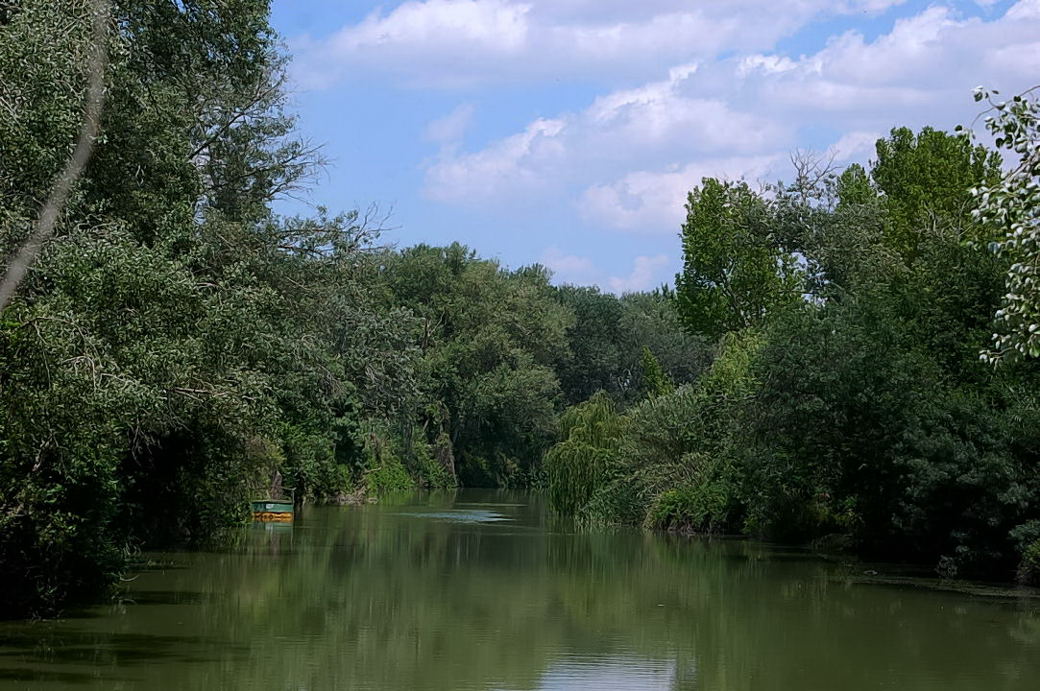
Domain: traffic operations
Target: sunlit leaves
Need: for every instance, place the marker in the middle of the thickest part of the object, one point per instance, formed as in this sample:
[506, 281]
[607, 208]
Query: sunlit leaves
[1012, 206]
[734, 273]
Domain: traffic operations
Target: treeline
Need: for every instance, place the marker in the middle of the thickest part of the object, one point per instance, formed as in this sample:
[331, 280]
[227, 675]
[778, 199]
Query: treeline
[498, 352]
[847, 403]
[177, 348]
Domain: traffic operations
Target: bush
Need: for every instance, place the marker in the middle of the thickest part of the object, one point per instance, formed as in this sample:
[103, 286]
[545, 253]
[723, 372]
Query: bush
[388, 477]
[668, 461]
[383, 472]
[431, 471]
[706, 504]
[1029, 569]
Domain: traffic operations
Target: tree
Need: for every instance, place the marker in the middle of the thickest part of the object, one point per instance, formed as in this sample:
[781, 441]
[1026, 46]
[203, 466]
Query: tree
[607, 338]
[655, 381]
[175, 344]
[490, 339]
[1011, 205]
[855, 187]
[596, 358]
[858, 409]
[734, 273]
[926, 181]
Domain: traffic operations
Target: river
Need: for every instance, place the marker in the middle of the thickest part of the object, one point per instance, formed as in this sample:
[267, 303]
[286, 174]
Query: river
[485, 590]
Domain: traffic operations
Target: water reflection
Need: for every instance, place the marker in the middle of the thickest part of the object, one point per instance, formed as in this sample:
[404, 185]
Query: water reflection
[480, 591]
[459, 516]
[610, 674]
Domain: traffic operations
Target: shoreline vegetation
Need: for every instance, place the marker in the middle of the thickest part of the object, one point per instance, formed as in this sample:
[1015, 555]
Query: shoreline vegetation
[176, 348]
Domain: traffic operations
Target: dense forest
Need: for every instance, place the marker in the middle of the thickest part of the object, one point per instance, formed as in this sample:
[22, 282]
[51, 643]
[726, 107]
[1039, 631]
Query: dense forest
[177, 347]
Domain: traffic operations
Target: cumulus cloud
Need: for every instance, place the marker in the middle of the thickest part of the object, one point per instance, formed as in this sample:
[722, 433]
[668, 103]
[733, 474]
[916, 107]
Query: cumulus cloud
[855, 146]
[645, 275]
[660, 124]
[653, 202]
[628, 158]
[450, 43]
[511, 166]
[570, 268]
[926, 62]
[647, 272]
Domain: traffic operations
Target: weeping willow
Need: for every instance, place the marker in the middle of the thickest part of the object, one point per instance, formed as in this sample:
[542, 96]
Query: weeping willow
[592, 435]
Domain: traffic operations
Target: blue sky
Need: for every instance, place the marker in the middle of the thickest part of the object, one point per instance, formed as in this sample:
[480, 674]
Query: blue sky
[567, 132]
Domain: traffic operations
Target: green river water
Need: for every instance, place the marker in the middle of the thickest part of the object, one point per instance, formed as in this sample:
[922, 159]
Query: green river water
[482, 590]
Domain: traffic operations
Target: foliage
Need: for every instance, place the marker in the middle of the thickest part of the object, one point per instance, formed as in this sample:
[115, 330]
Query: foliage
[858, 409]
[611, 468]
[655, 381]
[874, 418]
[176, 345]
[489, 340]
[1029, 570]
[388, 477]
[605, 343]
[1011, 205]
[734, 274]
[927, 178]
[597, 356]
[579, 464]
[429, 470]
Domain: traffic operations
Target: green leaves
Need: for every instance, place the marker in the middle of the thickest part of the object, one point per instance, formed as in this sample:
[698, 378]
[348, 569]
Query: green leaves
[1010, 206]
[735, 273]
[925, 179]
[577, 466]
[607, 338]
[176, 345]
[655, 381]
[489, 338]
[845, 397]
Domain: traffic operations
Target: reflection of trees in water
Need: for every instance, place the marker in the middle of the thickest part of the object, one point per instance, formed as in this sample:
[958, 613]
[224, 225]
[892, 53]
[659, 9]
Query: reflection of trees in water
[366, 598]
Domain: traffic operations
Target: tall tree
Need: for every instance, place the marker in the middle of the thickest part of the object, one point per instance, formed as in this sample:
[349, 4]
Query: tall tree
[655, 381]
[734, 271]
[926, 179]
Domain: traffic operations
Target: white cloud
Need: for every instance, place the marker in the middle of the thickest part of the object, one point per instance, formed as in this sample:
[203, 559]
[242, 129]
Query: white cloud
[855, 145]
[767, 64]
[458, 42]
[449, 129]
[926, 62]
[653, 202]
[510, 166]
[647, 272]
[645, 275]
[570, 268]
[658, 125]
[1025, 10]
[438, 28]
[628, 158]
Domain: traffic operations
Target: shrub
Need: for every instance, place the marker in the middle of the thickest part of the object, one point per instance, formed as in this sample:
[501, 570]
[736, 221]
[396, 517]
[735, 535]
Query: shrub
[705, 504]
[1029, 569]
[383, 473]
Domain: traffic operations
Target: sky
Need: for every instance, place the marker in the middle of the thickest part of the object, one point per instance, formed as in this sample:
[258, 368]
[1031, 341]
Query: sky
[568, 132]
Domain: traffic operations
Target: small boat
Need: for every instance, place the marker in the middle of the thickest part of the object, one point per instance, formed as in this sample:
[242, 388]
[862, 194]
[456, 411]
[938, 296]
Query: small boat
[273, 510]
